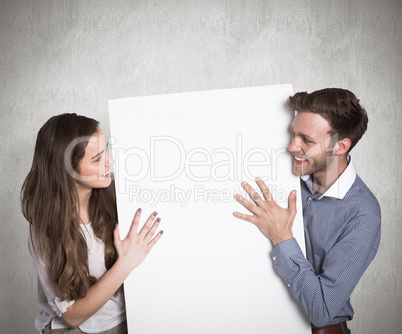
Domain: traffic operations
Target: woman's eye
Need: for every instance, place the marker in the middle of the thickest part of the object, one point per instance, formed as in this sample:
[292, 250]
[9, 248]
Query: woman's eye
[99, 158]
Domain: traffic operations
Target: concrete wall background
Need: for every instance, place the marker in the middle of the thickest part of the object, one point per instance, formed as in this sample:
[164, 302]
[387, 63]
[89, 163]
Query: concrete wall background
[72, 56]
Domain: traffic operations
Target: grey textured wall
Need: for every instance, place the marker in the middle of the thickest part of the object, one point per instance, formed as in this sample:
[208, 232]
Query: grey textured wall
[72, 56]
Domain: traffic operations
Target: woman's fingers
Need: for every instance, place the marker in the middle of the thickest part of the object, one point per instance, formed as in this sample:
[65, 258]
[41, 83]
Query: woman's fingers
[151, 232]
[145, 234]
[135, 247]
[154, 240]
[148, 224]
[116, 236]
[135, 223]
[149, 228]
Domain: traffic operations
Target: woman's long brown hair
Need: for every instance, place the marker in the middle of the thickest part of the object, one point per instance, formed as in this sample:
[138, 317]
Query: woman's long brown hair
[50, 203]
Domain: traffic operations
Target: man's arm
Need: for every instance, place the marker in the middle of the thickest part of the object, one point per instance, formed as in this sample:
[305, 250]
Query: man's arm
[321, 295]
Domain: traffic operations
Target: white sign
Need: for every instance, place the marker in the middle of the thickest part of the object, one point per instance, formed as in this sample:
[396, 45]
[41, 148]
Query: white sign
[184, 156]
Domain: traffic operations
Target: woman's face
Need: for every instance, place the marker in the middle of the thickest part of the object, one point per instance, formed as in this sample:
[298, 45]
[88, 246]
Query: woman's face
[94, 168]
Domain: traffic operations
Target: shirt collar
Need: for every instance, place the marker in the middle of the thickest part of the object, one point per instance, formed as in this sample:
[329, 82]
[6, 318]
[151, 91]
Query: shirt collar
[342, 184]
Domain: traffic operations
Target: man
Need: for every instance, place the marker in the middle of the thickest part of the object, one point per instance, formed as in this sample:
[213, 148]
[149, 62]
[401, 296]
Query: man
[341, 216]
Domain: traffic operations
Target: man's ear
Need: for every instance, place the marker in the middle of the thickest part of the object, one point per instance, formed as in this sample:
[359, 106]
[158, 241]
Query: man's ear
[342, 146]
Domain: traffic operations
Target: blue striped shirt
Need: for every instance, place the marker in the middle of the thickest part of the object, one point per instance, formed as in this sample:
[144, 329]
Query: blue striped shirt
[342, 233]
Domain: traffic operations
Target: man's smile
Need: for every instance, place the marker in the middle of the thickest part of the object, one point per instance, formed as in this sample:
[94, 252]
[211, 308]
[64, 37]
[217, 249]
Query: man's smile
[299, 161]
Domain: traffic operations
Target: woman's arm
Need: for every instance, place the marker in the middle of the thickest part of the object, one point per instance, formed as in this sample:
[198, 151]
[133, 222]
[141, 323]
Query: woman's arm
[131, 253]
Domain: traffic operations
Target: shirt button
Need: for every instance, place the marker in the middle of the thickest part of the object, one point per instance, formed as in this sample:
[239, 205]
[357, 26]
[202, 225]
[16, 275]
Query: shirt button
[274, 258]
[310, 198]
[289, 285]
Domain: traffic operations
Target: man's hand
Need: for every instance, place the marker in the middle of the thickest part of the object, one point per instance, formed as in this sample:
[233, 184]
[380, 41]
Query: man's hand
[272, 220]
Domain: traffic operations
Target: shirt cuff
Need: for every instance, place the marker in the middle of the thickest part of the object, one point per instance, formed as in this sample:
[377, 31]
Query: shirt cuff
[287, 257]
[62, 305]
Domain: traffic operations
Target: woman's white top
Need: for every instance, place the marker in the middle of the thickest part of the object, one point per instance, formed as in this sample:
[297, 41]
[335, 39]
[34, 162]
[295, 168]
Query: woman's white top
[51, 307]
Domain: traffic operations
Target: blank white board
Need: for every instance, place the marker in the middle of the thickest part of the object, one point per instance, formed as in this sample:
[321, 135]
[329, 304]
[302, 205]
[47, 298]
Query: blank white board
[184, 156]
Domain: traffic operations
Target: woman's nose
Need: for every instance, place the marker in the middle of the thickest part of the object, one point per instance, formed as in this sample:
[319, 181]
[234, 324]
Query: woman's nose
[109, 160]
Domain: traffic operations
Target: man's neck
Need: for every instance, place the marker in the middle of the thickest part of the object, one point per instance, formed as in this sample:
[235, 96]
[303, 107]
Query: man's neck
[323, 180]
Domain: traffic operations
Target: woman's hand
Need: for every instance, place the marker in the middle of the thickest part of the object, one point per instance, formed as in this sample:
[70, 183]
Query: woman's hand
[131, 252]
[136, 246]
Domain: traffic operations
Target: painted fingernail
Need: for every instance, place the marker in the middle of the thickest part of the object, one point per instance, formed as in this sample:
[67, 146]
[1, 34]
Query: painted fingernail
[237, 196]
[243, 183]
[115, 225]
[139, 210]
[161, 232]
[158, 220]
[155, 213]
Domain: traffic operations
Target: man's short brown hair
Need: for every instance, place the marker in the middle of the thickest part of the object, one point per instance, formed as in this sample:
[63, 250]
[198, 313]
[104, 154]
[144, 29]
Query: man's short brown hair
[339, 107]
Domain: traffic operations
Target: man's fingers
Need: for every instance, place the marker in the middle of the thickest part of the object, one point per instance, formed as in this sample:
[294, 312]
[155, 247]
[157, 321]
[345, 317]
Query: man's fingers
[245, 217]
[264, 189]
[253, 194]
[292, 203]
[247, 204]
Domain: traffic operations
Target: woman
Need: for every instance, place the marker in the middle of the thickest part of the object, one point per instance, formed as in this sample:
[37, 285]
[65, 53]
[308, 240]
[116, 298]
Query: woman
[69, 200]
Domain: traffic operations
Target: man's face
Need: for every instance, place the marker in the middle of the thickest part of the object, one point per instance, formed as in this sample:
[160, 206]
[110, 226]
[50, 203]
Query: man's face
[310, 144]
